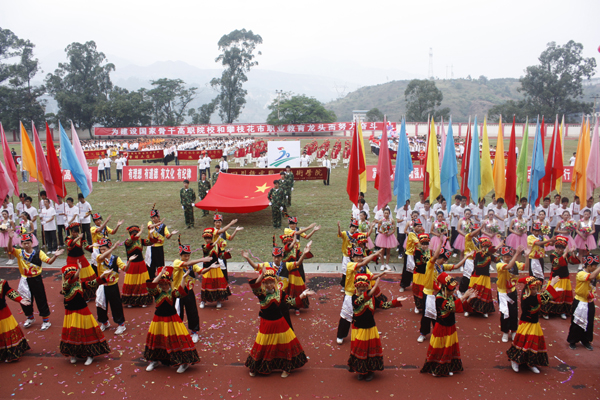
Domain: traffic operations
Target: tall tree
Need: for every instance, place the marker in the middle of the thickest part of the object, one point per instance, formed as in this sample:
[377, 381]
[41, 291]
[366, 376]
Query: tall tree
[125, 108]
[79, 85]
[237, 57]
[374, 115]
[422, 97]
[203, 114]
[170, 99]
[298, 109]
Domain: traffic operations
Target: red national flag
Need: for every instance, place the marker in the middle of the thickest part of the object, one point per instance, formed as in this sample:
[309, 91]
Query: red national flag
[383, 180]
[511, 170]
[357, 167]
[554, 163]
[238, 194]
[11, 168]
[425, 173]
[464, 169]
[54, 166]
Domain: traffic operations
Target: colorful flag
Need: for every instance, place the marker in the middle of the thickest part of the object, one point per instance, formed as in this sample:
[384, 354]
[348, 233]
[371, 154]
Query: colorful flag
[464, 168]
[11, 168]
[593, 165]
[81, 156]
[522, 163]
[443, 141]
[54, 165]
[499, 166]
[448, 175]
[357, 165]
[474, 165]
[579, 181]
[487, 176]
[426, 186]
[28, 154]
[69, 162]
[6, 186]
[560, 140]
[511, 172]
[433, 164]
[44, 176]
[404, 167]
[537, 167]
[383, 179]
[554, 162]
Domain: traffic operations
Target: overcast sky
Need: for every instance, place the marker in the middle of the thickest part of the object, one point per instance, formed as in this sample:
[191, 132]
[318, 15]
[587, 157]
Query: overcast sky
[491, 38]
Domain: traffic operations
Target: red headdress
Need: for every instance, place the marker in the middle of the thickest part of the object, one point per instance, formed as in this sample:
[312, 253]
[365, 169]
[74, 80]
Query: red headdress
[154, 211]
[277, 252]
[27, 237]
[68, 270]
[218, 217]
[104, 242]
[270, 274]
[536, 226]
[96, 217]
[133, 229]
[424, 238]
[362, 280]
[530, 281]
[357, 251]
[561, 241]
[591, 260]
[506, 251]
[447, 281]
[353, 223]
[184, 248]
[208, 233]
[292, 220]
[485, 242]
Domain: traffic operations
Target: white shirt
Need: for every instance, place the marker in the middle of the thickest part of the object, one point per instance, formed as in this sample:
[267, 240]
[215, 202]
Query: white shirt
[83, 209]
[100, 163]
[32, 213]
[572, 161]
[426, 216]
[71, 211]
[304, 161]
[418, 206]
[553, 216]
[480, 213]
[20, 208]
[42, 204]
[120, 162]
[45, 215]
[596, 213]
[402, 217]
[327, 163]
[544, 209]
[502, 213]
[575, 210]
[60, 209]
[223, 165]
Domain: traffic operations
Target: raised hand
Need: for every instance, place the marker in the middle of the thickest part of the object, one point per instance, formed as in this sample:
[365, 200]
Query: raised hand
[120, 222]
[59, 252]
[175, 232]
[245, 254]
[133, 257]
[555, 280]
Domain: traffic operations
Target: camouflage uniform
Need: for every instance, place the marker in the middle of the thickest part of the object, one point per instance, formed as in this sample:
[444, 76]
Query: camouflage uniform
[289, 182]
[188, 197]
[277, 199]
[203, 187]
[214, 177]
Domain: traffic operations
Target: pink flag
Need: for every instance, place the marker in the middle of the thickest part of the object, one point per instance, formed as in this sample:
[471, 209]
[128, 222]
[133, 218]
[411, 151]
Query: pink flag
[593, 166]
[80, 155]
[443, 143]
[11, 168]
[383, 179]
[42, 166]
[6, 186]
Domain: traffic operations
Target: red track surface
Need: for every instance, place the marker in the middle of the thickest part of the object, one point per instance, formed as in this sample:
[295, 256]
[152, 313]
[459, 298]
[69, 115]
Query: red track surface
[227, 335]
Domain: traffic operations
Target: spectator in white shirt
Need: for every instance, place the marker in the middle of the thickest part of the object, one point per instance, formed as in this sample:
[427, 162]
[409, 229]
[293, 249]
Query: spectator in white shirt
[501, 214]
[33, 214]
[61, 217]
[454, 218]
[120, 163]
[20, 206]
[43, 197]
[419, 204]
[223, 164]
[327, 164]
[207, 162]
[426, 215]
[575, 208]
[572, 160]
[107, 163]
[596, 218]
[71, 213]
[402, 217]
[100, 162]
[588, 206]
[9, 208]
[361, 196]
[479, 212]
[304, 160]
[361, 207]
[48, 220]
[492, 205]
[85, 209]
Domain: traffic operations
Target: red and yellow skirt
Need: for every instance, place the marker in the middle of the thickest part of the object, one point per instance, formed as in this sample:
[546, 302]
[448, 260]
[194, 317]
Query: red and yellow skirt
[484, 302]
[417, 289]
[529, 345]
[81, 336]
[443, 354]
[366, 354]
[87, 274]
[296, 286]
[214, 286]
[134, 292]
[275, 348]
[562, 303]
[169, 342]
[12, 341]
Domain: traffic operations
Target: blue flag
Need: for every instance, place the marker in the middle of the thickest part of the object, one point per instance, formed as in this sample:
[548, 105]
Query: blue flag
[474, 166]
[69, 161]
[538, 170]
[449, 172]
[404, 167]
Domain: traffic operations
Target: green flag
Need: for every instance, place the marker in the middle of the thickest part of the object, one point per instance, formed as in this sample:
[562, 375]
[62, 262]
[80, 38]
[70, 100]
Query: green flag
[522, 164]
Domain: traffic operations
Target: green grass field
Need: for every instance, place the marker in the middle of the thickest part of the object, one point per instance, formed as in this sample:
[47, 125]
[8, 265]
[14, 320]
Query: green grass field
[311, 202]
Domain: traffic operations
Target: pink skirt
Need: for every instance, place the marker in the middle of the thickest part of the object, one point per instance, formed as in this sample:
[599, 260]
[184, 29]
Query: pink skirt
[459, 243]
[4, 239]
[370, 243]
[436, 241]
[581, 244]
[515, 241]
[386, 242]
[548, 247]
[496, 242]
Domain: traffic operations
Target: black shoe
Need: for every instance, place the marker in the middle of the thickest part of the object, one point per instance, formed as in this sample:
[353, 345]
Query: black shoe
[360, 377]
[588, 346]
[369, 376]
[572, 346]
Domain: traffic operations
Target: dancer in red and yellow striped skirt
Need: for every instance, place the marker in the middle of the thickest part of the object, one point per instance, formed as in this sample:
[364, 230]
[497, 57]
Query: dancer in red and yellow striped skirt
[296, 284]
[443, 353]
[81, 336]
[528, 346]
[421, 257]
[168, 340]
[75, 256]
[276, 345]
[366, 353]
[214, 285]
[480, 278]
[560, 259]
[12, 341]
[134, 292]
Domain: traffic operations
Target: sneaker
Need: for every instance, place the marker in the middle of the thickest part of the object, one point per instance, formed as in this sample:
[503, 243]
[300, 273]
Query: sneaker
[195, 337]
[563, 316]
[382, 267]
[28, 322]
[416, 310]
[73, 360]
[343, 291]
[421, 339]
[144, 306]
[45, 325]
[545, 316]
[466, 314]
[120, 329]
[513, 336]
[533, 369]
[252, 374]
[572, 346]
[485, 315]
[515, 366]
[297, 313]
[10, 262]
[401, 289]
[588, 346]
[89, 361]
[450, 373]
[202, 304]
[105, 326]
[388, 268]
[505, 338]
[219, 304]
[182, 368]
[285, 374]
[151, 366]
[339, 340]
[129, 306]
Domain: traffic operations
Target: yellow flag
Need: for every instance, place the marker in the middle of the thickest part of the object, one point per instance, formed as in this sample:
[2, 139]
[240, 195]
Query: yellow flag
[560, 140]
[579, 181]
[487, 176]
[499, 165]
[433, 164]
[28, 154]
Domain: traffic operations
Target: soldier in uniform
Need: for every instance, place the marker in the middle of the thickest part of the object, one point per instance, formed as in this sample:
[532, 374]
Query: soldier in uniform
[203, 187]
[215, 175]
[289, 178]
[285, 188]
[277, 199]
[188, 197]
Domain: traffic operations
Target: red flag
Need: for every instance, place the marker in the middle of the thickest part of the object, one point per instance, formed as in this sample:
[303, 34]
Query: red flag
[511, 170]
[554, 163]
[11, 168]
[357, 166]
[464, 169]
[383, 180]
[425, 173]
[54, 166]
[44, 175]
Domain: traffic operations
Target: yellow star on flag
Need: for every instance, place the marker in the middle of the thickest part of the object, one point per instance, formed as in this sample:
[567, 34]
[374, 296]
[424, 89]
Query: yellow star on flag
[262, 188]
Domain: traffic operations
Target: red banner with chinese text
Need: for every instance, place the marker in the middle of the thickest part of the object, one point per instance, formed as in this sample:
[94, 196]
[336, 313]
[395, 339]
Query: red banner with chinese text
[164, 173]
[300, 174]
